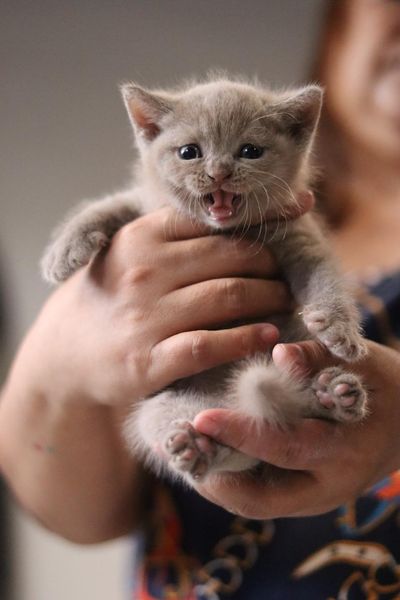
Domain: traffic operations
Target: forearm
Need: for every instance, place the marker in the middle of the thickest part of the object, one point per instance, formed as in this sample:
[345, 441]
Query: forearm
[143, 315]
[63, 457]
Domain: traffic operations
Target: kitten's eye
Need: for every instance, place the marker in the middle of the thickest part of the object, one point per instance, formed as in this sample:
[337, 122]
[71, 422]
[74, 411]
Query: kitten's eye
[190, 152]
[250, 151]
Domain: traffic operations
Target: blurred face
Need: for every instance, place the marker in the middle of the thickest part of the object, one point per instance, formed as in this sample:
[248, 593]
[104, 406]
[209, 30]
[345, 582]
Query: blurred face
[363, 75]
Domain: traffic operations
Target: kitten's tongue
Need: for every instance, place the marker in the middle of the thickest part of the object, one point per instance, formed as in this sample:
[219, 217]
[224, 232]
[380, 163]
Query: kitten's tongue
[222, 206]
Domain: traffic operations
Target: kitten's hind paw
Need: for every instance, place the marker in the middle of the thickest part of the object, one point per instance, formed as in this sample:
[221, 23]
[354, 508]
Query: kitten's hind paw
[339, 395]
[189, 451]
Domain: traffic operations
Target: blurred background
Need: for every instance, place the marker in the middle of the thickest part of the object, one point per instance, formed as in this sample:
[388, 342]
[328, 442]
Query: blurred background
[64, 137]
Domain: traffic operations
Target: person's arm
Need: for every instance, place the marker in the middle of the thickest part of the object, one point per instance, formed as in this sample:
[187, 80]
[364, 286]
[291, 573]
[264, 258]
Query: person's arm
[144, 314]
[325, 464]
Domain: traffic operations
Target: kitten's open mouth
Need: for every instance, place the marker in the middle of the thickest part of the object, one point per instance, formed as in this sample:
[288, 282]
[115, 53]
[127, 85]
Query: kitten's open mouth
[222, 205]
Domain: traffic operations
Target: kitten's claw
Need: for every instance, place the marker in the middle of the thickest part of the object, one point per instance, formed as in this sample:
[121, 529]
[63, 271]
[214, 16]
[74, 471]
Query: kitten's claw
[339, 395]
[189, 451]
[336, 333]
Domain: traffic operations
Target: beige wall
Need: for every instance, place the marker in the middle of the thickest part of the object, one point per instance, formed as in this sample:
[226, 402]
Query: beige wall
[65, 136]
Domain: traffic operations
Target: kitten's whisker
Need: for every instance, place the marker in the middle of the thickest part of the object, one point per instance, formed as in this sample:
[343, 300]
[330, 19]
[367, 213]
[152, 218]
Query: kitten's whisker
[285, 186]
[247, 219]
[255, 242]
[240, 225]
[286, 227]
[277, 228]
[186, 199]
[269, 204]
[263, 218]
[280, 183]
[263, 224]
[189, 200]
[192, 200]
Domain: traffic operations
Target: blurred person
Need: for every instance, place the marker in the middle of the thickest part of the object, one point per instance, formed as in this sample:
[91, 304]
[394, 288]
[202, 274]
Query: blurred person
[351, 552]
[4, 524]
[91, 353]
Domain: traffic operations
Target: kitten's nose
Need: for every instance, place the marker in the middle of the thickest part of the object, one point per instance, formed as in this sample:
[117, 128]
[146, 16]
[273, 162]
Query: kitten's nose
[219, 175]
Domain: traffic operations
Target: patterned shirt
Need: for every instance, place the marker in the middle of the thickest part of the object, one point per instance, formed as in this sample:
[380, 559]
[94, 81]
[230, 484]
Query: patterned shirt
[195, 550]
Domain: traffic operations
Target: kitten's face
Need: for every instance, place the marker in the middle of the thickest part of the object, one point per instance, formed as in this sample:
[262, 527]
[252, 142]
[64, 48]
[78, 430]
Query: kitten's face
[228, 154]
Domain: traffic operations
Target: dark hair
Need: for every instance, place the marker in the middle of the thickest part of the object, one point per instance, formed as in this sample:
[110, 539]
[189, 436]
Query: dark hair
[330, 163]
[332, 27]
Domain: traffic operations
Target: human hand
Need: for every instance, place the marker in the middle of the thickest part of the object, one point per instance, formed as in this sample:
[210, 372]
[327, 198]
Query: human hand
[149, 310]
[132, 322]
[323, 464]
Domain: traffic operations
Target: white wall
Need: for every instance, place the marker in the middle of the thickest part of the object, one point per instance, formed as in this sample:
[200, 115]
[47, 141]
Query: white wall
[47, 568]
[65, 136]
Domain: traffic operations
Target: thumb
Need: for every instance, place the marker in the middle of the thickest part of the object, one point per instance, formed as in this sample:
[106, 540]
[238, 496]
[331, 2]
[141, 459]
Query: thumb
[302, 359]
[301, 447]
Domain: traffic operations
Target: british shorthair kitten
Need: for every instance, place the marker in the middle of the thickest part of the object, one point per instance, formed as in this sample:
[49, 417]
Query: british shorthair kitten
[233, 155]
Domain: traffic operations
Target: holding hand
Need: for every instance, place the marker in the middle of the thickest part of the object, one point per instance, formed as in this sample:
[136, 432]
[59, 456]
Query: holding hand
[322, 464]
[145, 313]
[151, 308]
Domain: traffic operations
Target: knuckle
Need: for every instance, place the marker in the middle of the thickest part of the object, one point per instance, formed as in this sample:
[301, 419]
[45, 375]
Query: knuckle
[235, 294]
[251, 252]
[136, 366]
[243, 342]
[246, 255]
[128, 232]
[163, 222]
[126, 240]
[200, 348]
[140, 229]
[291, 453]
[138, 274]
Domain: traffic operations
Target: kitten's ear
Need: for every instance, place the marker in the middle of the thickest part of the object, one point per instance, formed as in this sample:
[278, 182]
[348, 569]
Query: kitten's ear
[145, 109]
[299, 113]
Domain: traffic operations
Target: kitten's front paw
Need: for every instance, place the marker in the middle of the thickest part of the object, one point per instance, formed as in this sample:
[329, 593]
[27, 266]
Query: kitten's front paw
[336, 333]
[68, 253]
[339, 395]
[189, 451]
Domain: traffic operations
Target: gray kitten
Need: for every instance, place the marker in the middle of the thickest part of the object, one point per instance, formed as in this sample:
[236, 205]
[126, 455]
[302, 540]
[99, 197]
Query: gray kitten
[228, 153]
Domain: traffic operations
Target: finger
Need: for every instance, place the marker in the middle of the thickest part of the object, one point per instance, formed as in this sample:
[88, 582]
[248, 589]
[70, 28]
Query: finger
[165, 224]
[305, 202]
[192, 352]
[207, 304]
[218, 256]
[302, 359]
[304, 446]
[288, 494]
[173, 225]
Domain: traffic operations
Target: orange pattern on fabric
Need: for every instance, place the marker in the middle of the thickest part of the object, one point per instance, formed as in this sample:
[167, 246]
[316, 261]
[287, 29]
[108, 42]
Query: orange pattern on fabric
[392, 489]
[166, 556]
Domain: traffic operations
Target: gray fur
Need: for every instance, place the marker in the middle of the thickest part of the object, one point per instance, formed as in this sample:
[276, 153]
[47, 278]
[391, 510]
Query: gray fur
[221, 116]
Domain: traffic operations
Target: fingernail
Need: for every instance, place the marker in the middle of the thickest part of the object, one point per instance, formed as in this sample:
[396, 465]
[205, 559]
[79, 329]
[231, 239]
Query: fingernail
[269, 333]
[298, 352]
[307, 199]
[297, 356]
[207, 425]
[290, 356]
